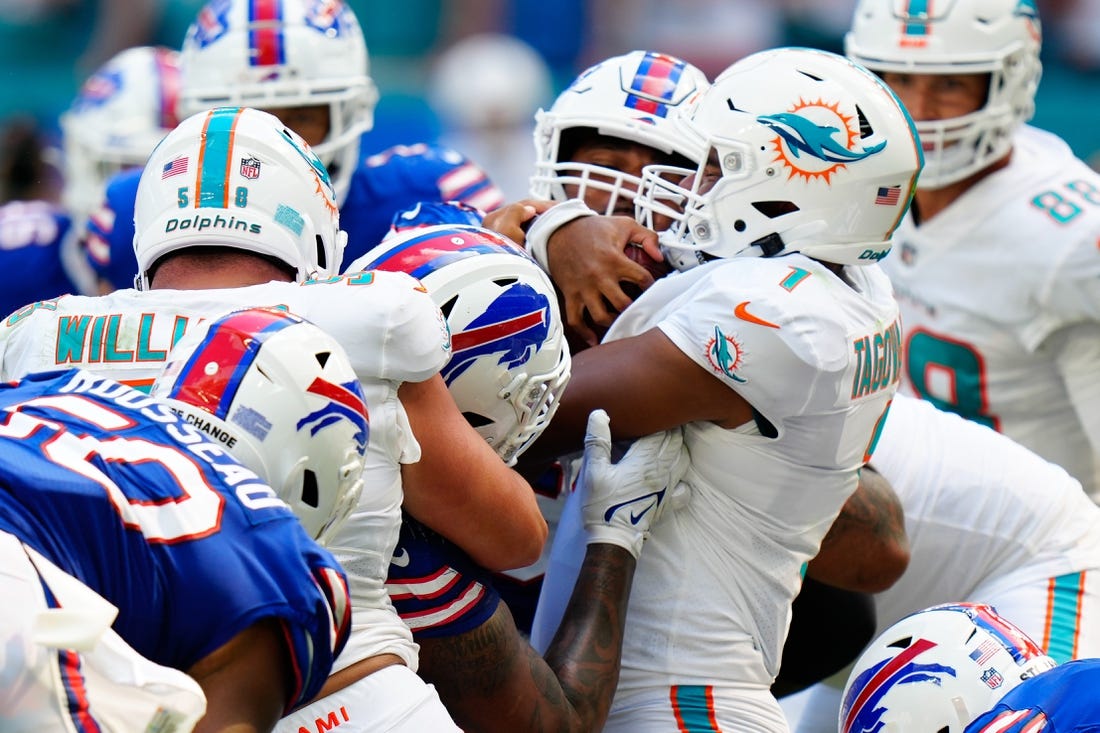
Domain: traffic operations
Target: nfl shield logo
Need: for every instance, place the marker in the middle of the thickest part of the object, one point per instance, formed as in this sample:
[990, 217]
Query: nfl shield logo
[250, 168]
[992, 678]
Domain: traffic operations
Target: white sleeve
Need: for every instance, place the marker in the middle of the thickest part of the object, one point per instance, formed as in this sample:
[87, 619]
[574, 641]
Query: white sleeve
[545, 224]
[1076, 353]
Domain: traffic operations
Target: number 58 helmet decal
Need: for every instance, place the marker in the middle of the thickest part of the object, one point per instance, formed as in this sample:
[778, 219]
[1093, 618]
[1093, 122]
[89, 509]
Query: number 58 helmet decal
[237, 177]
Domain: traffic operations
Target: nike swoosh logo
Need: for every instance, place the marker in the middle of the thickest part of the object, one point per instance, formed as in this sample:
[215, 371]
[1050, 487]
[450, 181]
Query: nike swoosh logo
[635, 517]
[741, 310]
[400, 558]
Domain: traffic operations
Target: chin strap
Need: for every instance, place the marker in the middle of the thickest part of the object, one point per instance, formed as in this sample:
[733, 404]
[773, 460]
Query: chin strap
[769, 245]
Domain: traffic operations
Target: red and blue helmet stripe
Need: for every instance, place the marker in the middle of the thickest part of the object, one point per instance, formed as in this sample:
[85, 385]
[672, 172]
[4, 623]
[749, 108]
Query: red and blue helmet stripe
[167, 71]
[232, 343]
[422, 255]
[654, 84]
[266, 43]
[1017, 644]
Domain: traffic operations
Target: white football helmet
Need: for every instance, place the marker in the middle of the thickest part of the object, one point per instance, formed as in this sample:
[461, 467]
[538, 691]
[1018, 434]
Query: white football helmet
[236, 177]
[937, 670]
[998, 37]
[815, 154]
[292, 53]
[120, 114]
[510, 361]
[281, 395]
[628, 97]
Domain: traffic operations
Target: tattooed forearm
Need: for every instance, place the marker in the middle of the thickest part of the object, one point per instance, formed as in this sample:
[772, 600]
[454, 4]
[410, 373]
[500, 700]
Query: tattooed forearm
[867, 548]
[492, 680]
[586, 650]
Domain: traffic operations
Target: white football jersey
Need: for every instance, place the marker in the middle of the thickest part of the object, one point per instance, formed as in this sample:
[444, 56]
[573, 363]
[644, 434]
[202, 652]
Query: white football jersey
[981, 513]
[988, 521]
[388, 324]
[819, 360]
[984, 283]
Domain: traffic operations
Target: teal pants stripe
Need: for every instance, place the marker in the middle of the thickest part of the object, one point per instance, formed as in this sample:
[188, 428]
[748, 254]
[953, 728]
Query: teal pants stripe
[694, 709]
[1064, 612]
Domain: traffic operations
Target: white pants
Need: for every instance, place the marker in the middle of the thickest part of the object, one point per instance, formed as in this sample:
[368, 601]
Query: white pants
[1061, 614]
[697, 709]
[391, 700]
[62, 668]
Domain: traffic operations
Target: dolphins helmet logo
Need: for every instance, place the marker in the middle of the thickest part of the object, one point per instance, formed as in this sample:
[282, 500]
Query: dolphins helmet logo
[515, 326]
[815, 140]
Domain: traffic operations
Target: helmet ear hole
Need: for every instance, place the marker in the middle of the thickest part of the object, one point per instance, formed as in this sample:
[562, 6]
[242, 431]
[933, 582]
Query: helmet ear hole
[448, 306]
[903, 643]
[322, 257]
[310, 492]
[865, 129]
[774, 209]
[322, 357]
[477, 420]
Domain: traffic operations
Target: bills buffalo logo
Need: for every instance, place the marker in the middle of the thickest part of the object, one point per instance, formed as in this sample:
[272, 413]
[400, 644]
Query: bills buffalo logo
[862, 709]
[815, 140]
[327, 16]
[345, 402]
[211, 23]
[513, 328]
[98, 89]
[725, 354]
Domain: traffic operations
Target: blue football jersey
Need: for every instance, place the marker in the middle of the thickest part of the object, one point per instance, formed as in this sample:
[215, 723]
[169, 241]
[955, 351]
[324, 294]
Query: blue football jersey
[383, 185]
[435, 587]
[192, 547]
[109, 234]
[400, 177]
[31, 233]
[1065, 699]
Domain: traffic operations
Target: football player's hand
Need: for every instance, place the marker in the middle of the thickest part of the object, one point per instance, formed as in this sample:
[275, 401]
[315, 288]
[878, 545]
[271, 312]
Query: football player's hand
[512, 220]
[589, 266]
[623, 500]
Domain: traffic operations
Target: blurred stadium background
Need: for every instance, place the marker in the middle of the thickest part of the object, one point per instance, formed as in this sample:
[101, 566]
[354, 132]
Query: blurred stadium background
[472, 72]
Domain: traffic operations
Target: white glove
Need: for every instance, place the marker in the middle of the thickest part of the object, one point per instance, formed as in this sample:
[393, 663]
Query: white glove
[624, 499]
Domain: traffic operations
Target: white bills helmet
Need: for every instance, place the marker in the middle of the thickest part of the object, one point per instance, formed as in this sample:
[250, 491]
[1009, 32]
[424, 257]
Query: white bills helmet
[120, 114]
[998, 37]
[813, 154]
[937, 670]
[510, 361]
[628, 97]
[291, 53]
[236, 177]
[281, 395]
